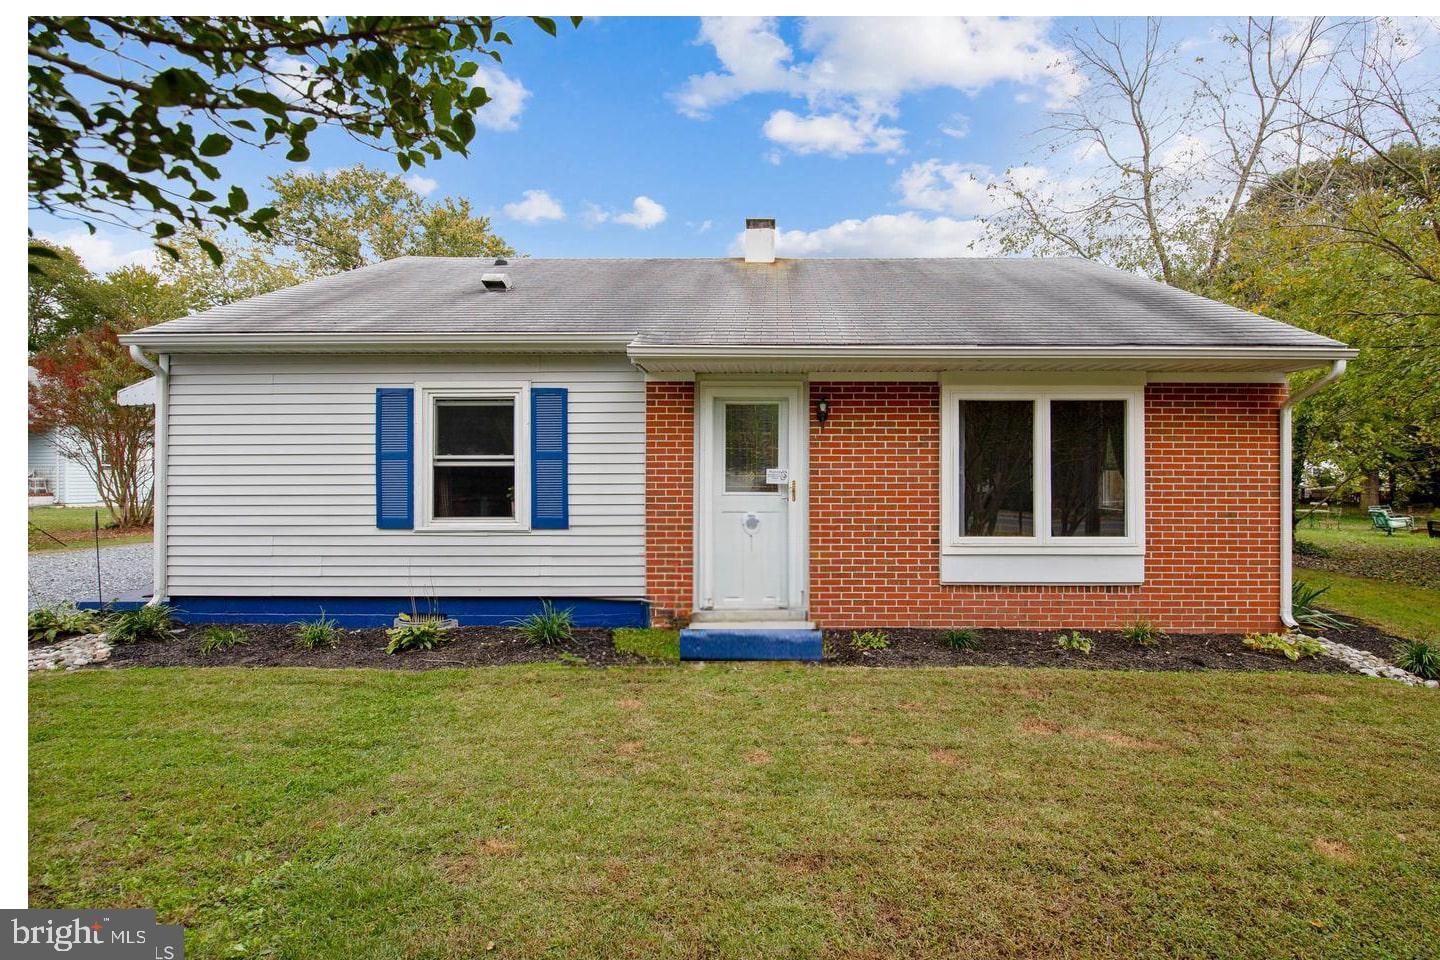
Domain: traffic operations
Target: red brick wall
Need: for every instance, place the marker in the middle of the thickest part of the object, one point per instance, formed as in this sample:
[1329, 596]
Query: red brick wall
[669, 499]
[1212, 505]
[1211, 514]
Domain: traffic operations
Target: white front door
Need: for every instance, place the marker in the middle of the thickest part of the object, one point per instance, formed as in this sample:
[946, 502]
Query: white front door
[752, 482]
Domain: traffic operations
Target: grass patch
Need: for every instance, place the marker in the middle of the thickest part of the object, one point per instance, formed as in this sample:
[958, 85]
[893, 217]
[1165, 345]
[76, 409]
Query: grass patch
[1399, 608]
[649, 642]
[742, 811]
[74, 527]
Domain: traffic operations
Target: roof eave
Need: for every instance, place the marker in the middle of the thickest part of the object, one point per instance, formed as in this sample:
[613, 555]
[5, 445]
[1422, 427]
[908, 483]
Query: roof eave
[672, 358]
[514, 342]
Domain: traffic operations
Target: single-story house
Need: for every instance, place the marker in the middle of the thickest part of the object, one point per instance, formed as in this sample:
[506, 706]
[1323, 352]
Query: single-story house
[849, 443]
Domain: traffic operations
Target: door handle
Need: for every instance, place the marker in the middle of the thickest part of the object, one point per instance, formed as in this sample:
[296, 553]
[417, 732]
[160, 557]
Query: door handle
[792, 491]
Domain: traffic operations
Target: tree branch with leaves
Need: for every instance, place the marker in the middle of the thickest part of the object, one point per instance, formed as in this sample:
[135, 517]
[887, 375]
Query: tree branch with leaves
[129, 117]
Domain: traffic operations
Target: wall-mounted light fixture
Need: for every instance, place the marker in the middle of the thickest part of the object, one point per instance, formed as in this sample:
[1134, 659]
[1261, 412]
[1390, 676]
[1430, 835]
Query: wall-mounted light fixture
[822, 410]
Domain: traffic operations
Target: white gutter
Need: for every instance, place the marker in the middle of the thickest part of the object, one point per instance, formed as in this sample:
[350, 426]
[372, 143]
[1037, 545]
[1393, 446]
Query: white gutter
[518, 342]
[161, 368]
[962, 351]
[1287, 529]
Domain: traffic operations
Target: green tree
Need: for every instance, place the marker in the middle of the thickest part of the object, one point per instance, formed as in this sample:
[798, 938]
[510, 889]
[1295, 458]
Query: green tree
[64, 297]
[1347, 249]
[129, 116]
[337, 221]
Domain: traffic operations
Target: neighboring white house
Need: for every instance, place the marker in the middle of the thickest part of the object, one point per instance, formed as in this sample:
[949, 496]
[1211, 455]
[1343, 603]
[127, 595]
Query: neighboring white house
[55, 478]
[58, 480]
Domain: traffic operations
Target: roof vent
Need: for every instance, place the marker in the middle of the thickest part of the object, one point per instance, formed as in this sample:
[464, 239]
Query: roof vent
[759, 245]
[496, 281]
[501, 262]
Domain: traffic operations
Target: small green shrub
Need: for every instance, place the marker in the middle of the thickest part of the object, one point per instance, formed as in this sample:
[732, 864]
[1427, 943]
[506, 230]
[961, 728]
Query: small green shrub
[1143, 633]
[1290, 646]
[963, 639]
[148, 624]
[869, 640]
[221, 638]
[314, 634]
[415, 635]
[548, 627]
[1419, 657]
[650, 643]
[568, 659]
[48, 624]
[1303, 599]
[1074, 642]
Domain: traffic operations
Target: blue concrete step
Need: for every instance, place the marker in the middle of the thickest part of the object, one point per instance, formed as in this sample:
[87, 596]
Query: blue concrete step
[698, 643]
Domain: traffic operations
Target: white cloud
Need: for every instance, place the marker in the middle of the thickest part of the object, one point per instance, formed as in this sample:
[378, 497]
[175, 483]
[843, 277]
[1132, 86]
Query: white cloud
[421, 185]
[536, 207]
[754, 58]
[101, 253]
[958, 126]
[886, 235]
[644, 214]
[705, 226]
[860, 67]
[946, 187]
[507, 98]
[833, 134]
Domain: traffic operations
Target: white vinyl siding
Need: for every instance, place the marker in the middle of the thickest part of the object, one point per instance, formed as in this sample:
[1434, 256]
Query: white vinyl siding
[272, 483]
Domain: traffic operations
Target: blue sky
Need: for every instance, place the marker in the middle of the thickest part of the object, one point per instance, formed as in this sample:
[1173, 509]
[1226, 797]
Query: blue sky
[860, 137]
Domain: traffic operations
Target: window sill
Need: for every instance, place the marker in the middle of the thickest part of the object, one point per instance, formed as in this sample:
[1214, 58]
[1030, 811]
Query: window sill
[1044, 566]
[1053, 548]
[509, 526]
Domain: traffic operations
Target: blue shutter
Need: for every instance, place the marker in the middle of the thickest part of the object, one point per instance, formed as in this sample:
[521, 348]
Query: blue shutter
[395, 458]
[549, 459]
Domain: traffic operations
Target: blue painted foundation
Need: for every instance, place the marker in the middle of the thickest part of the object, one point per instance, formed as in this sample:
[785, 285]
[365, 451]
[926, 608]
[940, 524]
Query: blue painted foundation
[700, 644]
[381, 611]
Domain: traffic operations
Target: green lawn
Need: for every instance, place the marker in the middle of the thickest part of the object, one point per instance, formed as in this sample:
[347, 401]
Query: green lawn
[1358, 532]
[743, 810]
[75, 527]
[1400, 608]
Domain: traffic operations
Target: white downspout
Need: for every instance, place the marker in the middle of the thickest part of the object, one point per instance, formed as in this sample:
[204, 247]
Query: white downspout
[161, 368]
[1287, 529]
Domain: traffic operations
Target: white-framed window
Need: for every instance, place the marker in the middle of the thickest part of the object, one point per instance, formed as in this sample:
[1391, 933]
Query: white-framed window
[1047, 469]
[472, 457]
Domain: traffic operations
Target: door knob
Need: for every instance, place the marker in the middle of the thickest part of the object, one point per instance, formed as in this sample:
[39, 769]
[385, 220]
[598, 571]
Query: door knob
[792, 491]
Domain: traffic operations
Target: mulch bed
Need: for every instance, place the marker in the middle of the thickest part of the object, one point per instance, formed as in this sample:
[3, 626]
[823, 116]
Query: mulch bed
[273, 645]
[1036, 648]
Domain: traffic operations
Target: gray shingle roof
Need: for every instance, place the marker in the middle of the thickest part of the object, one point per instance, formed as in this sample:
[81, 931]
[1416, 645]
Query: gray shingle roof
[986, 302]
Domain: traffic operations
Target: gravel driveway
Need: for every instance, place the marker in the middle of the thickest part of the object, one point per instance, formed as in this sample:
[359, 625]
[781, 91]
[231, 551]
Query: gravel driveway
[57, 575]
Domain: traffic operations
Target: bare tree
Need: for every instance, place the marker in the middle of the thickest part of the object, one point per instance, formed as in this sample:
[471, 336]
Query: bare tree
[1169, 154]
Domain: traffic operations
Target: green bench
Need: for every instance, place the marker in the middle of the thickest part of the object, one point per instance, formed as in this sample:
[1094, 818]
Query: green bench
[1383, 519]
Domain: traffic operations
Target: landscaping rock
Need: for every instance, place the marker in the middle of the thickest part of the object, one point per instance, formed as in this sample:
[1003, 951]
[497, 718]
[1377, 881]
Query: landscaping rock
[71, 654]
[1362, 661]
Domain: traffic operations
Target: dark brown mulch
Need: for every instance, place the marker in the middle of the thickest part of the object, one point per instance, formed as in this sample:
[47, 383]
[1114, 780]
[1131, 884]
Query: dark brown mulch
[273, 645]
[1363, 636]
[1036, 648]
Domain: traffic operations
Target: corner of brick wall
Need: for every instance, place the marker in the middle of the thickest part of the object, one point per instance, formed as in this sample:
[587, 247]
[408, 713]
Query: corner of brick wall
[670, 501]
[1212, 517]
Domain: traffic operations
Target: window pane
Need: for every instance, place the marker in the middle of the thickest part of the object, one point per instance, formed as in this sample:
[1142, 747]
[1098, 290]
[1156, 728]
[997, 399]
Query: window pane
[473, 428]
[487, 491]
[997, 483]
[1087, 468]
[752, 446]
